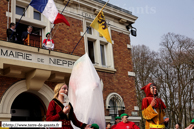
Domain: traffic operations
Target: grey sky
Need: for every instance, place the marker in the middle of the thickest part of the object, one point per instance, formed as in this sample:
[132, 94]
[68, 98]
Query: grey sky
[158, 17]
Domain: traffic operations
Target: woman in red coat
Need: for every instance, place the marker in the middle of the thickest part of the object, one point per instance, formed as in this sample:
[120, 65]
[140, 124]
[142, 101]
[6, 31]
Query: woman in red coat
[58, 112]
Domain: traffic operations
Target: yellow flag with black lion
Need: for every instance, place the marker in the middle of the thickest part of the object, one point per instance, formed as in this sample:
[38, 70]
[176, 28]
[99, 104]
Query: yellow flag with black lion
[101, 26]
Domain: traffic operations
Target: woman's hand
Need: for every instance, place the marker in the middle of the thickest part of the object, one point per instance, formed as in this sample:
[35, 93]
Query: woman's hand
[191, 126]
[66, 109]
[88, 127]
[166, 120]
[153, 103]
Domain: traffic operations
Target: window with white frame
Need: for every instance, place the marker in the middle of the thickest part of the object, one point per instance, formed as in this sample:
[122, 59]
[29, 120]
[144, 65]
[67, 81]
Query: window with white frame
[37, 15]
[89, 29]
[91, 51]
[32, 17]
[20, 10]
[114, 103]
[103, 54]
[99, 50]
[113, 110]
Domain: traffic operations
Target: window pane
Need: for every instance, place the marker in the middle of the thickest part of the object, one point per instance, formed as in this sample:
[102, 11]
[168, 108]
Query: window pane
[37, 15]
[102, 54]
[89, 30]
[91, 51]
[113, 110]
[20, 10]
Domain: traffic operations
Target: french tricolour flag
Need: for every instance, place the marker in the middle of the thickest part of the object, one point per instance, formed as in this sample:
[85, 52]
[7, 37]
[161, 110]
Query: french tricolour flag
[49, 10]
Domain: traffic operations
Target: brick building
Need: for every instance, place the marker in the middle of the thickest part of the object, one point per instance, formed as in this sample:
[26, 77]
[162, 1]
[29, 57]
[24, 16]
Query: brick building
[28, 74]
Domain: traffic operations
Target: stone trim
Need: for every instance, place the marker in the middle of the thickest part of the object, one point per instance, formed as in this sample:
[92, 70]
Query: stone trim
[129, 46]
[132, 74]
[108, 118]
[109, 98]
[45, 94]
[134, 119]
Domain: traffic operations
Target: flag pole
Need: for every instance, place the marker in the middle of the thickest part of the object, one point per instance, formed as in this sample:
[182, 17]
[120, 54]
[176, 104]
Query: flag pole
[19, 20]
[86, 30]
[61, 13]
[79, 40]
[105, 5]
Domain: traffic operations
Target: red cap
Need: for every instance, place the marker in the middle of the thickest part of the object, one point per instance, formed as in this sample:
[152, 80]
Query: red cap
[147, 90]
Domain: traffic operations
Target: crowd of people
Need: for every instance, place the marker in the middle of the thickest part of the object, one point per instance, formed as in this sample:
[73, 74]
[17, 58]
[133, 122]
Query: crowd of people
[152, 111]
[122, 122]
[12, 36]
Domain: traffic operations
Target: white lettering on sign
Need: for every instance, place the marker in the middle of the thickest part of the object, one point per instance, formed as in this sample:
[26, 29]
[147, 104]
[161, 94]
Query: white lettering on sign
[84, 14]
[35, 58]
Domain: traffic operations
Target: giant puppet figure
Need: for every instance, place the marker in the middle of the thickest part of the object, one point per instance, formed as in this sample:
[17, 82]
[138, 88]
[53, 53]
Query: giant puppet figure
[85, 92]
[153, 108]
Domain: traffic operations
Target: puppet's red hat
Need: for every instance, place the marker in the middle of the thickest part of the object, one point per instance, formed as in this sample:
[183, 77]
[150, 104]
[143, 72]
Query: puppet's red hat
[147, 90]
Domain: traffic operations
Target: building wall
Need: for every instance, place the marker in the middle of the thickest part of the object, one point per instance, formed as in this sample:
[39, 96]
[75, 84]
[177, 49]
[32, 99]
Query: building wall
[3, 21]
[5, 83]
[66, 38]
[51, 84]
[120, 82]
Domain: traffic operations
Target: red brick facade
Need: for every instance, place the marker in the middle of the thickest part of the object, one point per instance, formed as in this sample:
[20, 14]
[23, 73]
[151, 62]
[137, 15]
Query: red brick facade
[66, 37]
[120, 82]
[3, 21]
[5, 83]
[65, 40]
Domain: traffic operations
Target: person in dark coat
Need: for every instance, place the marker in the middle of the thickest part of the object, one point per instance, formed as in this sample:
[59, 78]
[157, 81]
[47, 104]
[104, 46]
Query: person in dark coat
[25, 33]
[11, 33]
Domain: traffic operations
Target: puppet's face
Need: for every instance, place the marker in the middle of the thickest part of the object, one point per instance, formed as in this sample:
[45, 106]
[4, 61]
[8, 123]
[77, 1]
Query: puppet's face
[63, 89]
[153, 89]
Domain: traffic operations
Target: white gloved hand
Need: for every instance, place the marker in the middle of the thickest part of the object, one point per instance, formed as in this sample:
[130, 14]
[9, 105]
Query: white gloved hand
[66, 99]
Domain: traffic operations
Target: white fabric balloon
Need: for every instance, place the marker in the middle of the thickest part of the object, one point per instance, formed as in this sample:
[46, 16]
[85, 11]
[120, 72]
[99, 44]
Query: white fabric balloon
[85, 93]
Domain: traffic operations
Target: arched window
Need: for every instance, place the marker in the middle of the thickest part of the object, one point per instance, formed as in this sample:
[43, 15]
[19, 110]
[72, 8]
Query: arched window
[114, 103]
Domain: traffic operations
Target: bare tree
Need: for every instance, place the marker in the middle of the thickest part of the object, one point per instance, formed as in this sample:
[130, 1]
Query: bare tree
[176, 76]
[172, 69]
[144, 63]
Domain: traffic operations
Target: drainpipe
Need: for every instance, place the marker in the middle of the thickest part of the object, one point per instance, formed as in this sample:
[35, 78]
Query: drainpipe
[8, 16]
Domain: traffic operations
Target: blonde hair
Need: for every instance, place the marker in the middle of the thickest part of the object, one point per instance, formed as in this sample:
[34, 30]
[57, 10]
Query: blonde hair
[57, 89]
